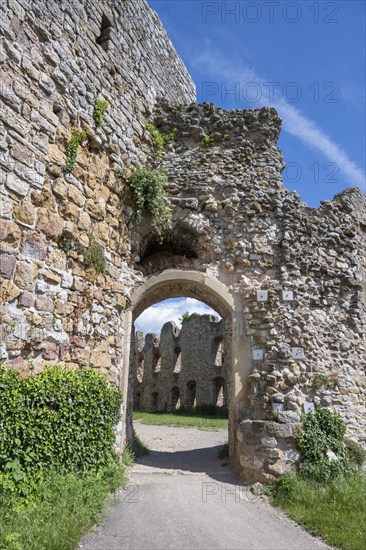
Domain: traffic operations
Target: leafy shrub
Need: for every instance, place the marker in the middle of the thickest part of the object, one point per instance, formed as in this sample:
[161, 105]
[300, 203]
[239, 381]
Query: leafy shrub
[356, 453]
[77, 137]
[94, 256]
[147, 189]
[320, 433]
[160, 140]
[208, 141]
[322, 381]
[100, 107]
[60, 419]
[66, 243]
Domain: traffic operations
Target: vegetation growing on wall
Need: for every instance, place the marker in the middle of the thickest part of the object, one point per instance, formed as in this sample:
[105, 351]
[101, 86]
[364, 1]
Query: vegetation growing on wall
[66, 243]
[77, 137]
[208, 141]
[148, 193]
[326, 382]
[100, 108]
[94, 256]
[320, 441]
[160, 140]
[185, 316]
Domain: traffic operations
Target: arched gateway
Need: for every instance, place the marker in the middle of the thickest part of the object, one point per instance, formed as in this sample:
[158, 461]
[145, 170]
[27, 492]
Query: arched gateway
[174, 283]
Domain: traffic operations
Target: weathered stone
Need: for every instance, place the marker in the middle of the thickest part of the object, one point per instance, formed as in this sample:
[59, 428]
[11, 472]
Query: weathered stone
[9, 291]
[7, 264]
[44, 303]
[51, 277]
[75, 195]
[25, 275]
[50, 223]
[25, 213]
[17, 185]
[288, 417]
[100, 359]
[26, 299]
[9, 235]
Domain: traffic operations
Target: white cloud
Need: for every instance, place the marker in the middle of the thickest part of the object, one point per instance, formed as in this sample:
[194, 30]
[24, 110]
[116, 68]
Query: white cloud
[294, 122]
[153, 318]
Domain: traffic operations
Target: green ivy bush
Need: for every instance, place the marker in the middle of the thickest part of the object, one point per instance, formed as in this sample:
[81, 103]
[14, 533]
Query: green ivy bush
[148, 193]
[356, 454]
[77, 137]
[60, 419]
[320, 433]
[160, 140]
[100, 108]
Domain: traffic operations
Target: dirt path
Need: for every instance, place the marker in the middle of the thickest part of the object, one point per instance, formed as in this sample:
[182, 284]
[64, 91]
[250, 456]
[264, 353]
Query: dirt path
[182, 497]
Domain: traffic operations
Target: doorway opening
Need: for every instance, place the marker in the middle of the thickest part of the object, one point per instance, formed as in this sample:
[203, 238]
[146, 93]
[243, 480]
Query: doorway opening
[214, 391]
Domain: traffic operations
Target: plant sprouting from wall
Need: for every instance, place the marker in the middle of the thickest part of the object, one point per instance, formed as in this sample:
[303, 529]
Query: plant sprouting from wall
[208, 141]
[148, 193]
[160, 140]
[77, 137]
[322, 381]
[185, 316]
[94, 256]
[100, 107]
[66, 243]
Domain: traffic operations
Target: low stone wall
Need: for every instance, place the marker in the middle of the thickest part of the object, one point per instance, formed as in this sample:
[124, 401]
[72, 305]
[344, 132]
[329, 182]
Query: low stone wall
[267, 449]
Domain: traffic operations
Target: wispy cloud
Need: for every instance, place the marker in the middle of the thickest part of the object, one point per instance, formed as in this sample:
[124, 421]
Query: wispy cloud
[153, 318]
[215, 66]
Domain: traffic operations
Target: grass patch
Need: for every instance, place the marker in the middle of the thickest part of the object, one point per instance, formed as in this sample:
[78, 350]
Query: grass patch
[336, 510]
[138, 447]
[59, 511]
[183, 419]
[134, 450]
[223, 451]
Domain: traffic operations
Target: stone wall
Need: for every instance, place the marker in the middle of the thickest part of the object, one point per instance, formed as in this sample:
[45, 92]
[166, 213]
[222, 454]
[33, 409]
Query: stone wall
[54, 308]
[183, 369]
[294, 277]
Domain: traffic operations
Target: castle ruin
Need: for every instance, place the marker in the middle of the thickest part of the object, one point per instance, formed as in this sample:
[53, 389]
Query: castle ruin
[184, 369]
[288, 280]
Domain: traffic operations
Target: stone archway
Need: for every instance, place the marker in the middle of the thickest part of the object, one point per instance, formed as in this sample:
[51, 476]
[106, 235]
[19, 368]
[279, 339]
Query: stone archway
[174, 283]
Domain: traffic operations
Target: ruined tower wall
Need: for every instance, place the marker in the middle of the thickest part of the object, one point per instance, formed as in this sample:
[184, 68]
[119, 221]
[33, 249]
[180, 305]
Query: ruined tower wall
[191, 360]
[53, 306]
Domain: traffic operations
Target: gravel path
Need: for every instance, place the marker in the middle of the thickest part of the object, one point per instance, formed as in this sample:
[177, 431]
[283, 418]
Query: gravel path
[182, 497]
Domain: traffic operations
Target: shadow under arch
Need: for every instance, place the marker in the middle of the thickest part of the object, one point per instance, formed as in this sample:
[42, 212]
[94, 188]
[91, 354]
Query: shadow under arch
[175, 283]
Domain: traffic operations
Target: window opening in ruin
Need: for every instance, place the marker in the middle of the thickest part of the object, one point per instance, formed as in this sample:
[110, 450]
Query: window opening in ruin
[137, 401]
[218, 351]
[191, 395]
[156, 365]
[175, 398]
[106, 30]
[219, 392]
[155, 401]
[140, 369]
[177, 360]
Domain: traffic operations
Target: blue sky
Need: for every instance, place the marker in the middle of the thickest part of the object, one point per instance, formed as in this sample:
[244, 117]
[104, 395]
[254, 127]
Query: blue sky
[304, 58]
[310, 56]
